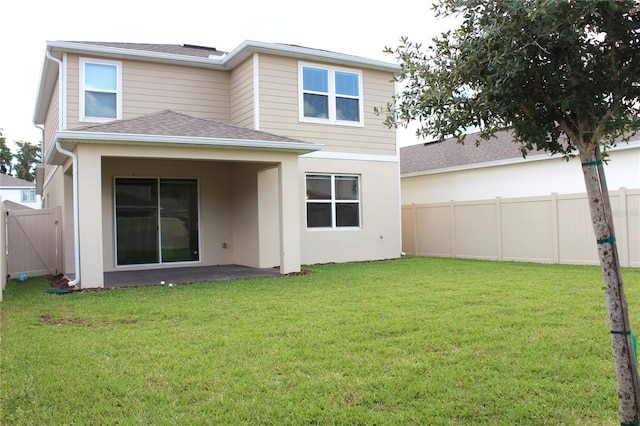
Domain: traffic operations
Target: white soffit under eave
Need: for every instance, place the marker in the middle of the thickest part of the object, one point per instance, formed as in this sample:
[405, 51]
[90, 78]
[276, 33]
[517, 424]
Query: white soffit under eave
[91, 137]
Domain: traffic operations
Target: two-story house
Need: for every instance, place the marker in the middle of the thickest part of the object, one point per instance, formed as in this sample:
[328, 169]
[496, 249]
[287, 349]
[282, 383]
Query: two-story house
[177, 155]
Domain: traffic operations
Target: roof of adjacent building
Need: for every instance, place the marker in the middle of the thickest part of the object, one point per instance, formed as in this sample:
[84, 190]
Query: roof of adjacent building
[171, 123]
[12, 205]
[449, 153]
[6, 180]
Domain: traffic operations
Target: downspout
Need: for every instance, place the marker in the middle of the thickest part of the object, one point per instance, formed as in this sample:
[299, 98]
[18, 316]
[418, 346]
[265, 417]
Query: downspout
[74, 159]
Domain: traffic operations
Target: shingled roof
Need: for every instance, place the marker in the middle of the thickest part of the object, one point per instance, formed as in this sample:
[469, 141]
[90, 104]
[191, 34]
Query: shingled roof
[173, 49]
[449, 153]
[171, 123]
[6, 180]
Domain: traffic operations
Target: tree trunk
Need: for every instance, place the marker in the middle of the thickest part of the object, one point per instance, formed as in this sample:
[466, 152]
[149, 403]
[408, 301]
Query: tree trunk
[621, 337]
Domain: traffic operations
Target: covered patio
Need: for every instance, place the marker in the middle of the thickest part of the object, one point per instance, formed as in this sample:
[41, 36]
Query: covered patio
[171, 189]
[189, 275]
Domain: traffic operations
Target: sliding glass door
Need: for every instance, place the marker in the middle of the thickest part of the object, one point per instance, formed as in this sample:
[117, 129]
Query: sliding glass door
[156, 220]
[179, 220]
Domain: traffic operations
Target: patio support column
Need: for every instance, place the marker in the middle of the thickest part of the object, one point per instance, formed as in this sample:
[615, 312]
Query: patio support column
[289, 215]
[90, 216]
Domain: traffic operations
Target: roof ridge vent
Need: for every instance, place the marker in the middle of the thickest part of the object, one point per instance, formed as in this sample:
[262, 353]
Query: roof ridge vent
[195, 46]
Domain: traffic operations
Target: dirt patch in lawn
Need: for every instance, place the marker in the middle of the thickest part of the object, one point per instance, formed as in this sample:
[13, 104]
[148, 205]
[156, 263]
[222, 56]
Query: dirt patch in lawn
[58, 281]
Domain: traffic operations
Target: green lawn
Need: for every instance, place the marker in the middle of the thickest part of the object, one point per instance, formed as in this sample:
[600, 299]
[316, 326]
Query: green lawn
[411, 341]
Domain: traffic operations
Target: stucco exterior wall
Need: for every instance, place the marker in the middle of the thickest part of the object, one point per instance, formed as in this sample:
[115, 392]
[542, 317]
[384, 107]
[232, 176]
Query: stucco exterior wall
[214, 188]
[379, 235]
[521, 179]
[57, 191]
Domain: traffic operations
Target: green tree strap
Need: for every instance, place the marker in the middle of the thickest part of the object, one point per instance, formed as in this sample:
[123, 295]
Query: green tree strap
[592, 163]
[609, 240]
[633, 339]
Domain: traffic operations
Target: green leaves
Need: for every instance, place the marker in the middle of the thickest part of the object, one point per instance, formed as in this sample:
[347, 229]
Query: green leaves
[554, 71]
[26, 158]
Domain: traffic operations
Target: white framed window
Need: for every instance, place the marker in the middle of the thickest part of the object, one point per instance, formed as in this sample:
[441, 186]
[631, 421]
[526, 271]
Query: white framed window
[28, 196]
[333, 201]
[100, 90]
[329, 95]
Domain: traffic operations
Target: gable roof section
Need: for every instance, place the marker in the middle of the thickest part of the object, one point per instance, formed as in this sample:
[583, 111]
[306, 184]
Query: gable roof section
[449, 153]
[172, 127]
[10, 181]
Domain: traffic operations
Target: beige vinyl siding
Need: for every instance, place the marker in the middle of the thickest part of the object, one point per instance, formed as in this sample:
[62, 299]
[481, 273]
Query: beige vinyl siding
[52, 119]
[241, 98]
[51, 124]
[199, 92]
[73, 93]
[279, 111]
[150, 87]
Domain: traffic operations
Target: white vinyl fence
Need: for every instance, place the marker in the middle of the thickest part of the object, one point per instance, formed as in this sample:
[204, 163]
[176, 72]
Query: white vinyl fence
[547, 229]
[3, 249]
[34, 242]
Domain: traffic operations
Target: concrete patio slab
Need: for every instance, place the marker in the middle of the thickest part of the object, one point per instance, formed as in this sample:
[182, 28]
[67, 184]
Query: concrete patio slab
[187, 275]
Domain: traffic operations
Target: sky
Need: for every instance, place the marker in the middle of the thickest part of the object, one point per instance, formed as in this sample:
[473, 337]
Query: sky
[361, 28]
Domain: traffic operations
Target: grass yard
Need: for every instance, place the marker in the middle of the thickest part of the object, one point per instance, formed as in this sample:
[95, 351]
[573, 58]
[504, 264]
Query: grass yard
[410, 341]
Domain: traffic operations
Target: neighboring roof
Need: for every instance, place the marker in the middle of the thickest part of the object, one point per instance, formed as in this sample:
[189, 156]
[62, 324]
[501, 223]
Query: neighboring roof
[185, 55]
[449, 153]
[6, 180]
[171, 123]
[170, 127]
[12, 205]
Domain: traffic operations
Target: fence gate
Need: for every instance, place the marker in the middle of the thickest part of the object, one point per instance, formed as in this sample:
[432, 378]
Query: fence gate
[34, 243]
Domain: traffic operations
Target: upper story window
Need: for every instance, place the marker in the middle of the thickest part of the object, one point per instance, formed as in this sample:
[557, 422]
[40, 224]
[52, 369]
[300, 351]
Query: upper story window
[330, 95]
[28, 196]
[100, 90]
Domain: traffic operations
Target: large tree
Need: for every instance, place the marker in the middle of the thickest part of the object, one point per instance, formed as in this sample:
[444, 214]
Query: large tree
[5, 156]
[27, 157]
[563, 76]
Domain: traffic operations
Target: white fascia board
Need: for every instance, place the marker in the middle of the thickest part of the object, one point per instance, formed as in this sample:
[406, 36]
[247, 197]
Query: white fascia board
[48, 75]
[92, 137]
[307, 53]
[332, 155]
[229, 60]
[118, 52]
[505, 162]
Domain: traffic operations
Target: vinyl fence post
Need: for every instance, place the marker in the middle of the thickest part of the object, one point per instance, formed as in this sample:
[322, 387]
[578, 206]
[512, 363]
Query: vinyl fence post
[555, 239]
